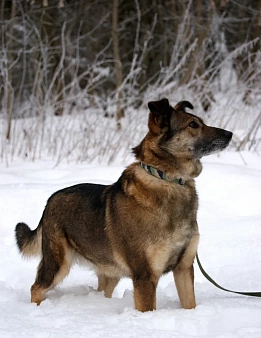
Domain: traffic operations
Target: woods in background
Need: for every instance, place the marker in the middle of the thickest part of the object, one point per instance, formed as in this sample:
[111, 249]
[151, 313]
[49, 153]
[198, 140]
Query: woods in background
[58, 52]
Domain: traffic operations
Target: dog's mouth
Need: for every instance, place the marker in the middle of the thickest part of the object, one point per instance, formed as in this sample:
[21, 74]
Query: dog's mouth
[203, 148]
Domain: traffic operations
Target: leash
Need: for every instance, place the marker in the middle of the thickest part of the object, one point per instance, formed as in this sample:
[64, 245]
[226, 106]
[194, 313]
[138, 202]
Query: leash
[253, 294]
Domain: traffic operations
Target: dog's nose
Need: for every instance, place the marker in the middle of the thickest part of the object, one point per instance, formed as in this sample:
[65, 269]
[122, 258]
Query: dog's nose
[228, 134]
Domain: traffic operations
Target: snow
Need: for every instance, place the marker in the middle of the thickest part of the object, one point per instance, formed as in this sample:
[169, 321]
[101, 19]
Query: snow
[230, 250]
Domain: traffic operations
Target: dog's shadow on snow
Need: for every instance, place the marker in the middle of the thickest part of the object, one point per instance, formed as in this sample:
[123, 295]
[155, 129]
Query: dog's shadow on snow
[89, 297]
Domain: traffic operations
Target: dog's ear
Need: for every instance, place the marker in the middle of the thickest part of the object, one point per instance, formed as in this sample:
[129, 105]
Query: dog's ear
[159, 115]
[182, 105]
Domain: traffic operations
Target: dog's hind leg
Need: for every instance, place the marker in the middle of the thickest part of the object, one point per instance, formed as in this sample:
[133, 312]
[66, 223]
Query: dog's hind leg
[107, 284]
[184, 275]
[53, 268]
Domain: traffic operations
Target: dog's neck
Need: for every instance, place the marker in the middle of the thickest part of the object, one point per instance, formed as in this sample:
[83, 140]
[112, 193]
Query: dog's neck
[161, 175]
[173, 166]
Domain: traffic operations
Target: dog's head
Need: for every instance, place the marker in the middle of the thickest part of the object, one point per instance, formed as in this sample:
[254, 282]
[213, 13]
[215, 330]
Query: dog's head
[180, 134]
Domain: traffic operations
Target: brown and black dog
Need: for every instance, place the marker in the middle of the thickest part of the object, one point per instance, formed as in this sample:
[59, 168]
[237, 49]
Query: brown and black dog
[142, 226]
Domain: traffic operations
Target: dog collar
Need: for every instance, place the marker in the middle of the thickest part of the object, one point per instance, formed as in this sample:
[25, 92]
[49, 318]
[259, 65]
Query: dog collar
[160, 174]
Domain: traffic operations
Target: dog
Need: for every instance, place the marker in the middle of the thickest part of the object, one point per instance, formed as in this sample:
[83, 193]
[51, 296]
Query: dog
[142, 226]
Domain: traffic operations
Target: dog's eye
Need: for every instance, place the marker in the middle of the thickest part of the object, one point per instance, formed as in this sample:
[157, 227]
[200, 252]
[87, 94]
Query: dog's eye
[194, 124]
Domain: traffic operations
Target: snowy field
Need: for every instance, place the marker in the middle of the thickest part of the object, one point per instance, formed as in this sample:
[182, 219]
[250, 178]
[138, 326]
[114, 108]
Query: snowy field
[230, 250]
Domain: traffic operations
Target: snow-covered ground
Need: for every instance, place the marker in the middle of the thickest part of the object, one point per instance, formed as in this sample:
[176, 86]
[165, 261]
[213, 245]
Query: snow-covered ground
[230, 250]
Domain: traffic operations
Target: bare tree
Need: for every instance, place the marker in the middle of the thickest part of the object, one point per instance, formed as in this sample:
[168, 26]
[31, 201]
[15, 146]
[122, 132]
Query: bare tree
[9, 55]
[117, 59]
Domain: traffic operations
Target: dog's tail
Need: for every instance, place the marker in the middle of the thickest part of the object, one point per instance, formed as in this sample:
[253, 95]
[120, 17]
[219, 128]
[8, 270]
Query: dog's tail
[29, 241]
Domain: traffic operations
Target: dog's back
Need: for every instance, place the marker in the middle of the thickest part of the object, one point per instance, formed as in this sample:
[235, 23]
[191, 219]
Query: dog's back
[74, 215]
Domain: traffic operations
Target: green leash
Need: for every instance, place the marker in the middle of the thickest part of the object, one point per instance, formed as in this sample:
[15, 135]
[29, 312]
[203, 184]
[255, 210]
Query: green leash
[253, 294]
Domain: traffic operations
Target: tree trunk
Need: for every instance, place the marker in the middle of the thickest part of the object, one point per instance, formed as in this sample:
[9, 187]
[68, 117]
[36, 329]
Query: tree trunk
[48, 33]
[9, 88]
[118, 65]
[254, 53]
[195, 63]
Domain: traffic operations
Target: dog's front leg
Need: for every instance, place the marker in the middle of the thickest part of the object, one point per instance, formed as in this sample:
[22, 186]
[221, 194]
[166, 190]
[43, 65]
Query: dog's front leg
[184, 279]
[184, 275]
[145, 294]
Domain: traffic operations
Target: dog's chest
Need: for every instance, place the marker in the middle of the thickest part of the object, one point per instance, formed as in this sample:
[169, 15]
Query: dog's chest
[176, 224]
[176, 210]
[166, 234]
[165, 254]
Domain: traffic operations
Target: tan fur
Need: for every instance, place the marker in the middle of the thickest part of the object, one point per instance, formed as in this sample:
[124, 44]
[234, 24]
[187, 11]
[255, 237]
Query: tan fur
[34, 247]
[107, 284]
[184, 275]
[141, 226]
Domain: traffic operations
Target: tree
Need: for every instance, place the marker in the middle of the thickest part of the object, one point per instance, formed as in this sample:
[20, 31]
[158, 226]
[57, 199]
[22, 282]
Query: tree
[117, 60]
[242, 27]
[9, 92]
